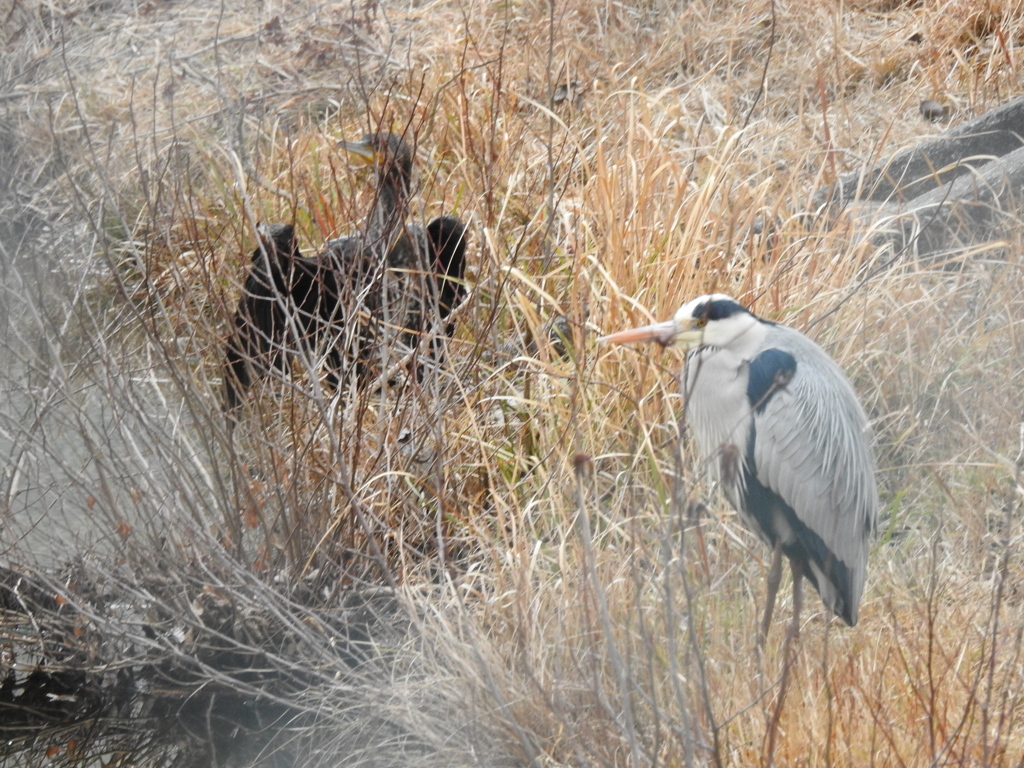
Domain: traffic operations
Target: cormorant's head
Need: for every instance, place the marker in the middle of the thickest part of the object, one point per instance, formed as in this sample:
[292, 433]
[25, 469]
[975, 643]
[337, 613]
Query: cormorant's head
[715, 320]
[447, 238]
[277, 239]
[388, 153]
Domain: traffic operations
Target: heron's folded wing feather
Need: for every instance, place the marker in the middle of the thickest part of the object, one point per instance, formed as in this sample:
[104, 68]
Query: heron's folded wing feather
[812, 448]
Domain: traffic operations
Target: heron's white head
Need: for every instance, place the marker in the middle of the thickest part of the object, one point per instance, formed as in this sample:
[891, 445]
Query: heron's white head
[715, 320]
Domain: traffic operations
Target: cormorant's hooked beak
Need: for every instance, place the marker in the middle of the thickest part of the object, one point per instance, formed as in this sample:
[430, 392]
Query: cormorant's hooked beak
[360, 151]
[671, 333]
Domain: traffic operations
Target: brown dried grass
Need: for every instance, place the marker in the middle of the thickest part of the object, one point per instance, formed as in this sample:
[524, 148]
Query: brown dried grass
[169, 130]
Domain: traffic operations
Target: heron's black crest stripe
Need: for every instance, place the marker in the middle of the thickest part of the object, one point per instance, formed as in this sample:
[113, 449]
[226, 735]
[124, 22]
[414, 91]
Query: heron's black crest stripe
[762, 504]
[768, 372]
[718, 309]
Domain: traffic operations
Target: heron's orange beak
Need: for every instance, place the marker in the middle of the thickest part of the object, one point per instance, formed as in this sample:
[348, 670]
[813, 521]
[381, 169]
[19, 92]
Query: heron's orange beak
[663, 333]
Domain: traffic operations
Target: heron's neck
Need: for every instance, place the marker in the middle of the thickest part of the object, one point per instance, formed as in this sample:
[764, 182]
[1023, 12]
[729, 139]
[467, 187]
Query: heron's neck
[744, 340]
[750, 341]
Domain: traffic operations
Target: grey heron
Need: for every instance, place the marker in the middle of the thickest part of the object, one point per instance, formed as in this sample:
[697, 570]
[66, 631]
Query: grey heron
[382, 285]
[786, 438]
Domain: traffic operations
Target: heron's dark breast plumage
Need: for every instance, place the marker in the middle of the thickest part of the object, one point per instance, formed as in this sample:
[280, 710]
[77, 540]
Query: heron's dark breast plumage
[766, 374]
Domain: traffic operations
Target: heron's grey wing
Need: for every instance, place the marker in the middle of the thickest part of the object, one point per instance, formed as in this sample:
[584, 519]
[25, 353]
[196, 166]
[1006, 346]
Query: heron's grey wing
[811, 447]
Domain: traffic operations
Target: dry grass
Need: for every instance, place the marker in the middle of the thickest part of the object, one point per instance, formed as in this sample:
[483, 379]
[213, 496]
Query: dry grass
[141, 143]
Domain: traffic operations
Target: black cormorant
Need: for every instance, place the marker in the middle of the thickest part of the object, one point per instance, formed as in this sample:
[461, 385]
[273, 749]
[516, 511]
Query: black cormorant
[372, 293]
[287, 300]
[411, 269]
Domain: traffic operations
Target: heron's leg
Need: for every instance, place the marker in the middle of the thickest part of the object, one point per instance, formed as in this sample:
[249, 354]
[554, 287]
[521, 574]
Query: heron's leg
[798, 599]
[788, 656]
[774, 577]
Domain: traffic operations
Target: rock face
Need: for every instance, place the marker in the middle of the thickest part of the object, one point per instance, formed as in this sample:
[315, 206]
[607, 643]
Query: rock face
[946, 193]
